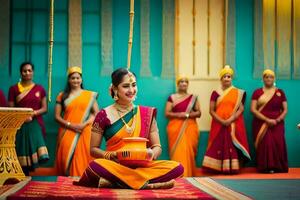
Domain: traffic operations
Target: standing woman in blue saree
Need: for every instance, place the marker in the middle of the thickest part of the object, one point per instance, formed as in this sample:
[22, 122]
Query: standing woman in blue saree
[30, 144]
[75, 111]
[121, 120]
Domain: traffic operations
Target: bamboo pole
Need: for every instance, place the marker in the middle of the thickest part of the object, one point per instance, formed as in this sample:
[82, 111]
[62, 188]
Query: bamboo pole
[131, 15]
[50, 50]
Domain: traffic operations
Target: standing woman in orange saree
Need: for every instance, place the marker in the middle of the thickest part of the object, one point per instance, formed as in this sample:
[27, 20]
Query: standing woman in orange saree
[75, 111]
[122, 120]
[182, 109]
[30, 144]
[227, 144]
[269, 107]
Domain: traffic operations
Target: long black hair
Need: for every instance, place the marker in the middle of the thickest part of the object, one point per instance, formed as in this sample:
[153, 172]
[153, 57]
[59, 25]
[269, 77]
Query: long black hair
[67, 90]
[117, 76]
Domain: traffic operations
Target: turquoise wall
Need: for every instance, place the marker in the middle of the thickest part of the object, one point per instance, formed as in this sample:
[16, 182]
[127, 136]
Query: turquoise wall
[31, 44]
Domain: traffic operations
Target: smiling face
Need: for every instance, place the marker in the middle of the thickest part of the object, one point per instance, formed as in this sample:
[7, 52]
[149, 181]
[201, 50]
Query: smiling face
[75, 80]
[27, 72]
[268, 80]
[182, 85]
[226, 80]
[127, 89]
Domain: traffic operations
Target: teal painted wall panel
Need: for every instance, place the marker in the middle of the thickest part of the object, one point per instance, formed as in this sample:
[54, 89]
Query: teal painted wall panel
[156, 37]
[19, 26]
[120, 32]
[60, 27]
[90, 28]
[40, 32]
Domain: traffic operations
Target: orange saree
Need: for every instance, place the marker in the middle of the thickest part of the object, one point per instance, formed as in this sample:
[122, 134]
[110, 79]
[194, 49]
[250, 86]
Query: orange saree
[227, 144]
[73, 149]
[120, 175]
[183, 135]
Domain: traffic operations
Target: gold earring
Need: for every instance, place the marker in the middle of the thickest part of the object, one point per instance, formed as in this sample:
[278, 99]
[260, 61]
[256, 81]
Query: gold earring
[116, 98]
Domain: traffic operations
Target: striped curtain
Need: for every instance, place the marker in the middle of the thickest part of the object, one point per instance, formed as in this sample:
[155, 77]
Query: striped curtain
[277, 35]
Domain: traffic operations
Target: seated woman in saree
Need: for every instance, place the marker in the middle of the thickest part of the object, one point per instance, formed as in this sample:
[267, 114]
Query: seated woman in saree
[182, 109]
[30, 144]
[269, 107]
[121, 120]
[227, 145]
[3, 102]
[75, 111]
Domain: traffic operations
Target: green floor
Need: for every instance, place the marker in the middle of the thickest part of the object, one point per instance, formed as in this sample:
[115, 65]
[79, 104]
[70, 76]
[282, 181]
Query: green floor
[265, 189]
[44, 178]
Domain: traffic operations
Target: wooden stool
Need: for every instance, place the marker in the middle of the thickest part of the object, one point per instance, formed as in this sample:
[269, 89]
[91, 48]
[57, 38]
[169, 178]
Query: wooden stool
[11, 119]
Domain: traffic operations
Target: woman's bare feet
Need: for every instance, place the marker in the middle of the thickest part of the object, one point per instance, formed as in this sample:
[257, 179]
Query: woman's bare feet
[162, 185]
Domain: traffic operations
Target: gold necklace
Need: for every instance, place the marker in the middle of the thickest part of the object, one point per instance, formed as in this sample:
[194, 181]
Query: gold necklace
[181, 95]
[128, 129]
[122, 109]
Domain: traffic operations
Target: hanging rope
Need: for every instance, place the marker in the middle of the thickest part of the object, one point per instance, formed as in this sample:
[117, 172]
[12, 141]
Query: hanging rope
[131, 15]
[51, 27]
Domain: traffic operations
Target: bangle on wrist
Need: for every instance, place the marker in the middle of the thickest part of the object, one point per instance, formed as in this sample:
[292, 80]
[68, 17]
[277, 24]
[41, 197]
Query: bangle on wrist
[107, 155]
[156, 145]
[187, 115]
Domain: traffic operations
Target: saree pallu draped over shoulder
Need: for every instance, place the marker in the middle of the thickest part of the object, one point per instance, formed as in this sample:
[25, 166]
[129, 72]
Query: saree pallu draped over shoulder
[183, 135]
[227, 144]
[73, 149]
[123, 176]
[30, 144]
[271, 151]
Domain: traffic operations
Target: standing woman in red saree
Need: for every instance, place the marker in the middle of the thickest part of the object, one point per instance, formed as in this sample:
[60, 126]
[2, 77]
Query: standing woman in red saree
[75, 111]
[269, 107]
[30, 143]
[121, 120]
[227, 144]
[182, 109]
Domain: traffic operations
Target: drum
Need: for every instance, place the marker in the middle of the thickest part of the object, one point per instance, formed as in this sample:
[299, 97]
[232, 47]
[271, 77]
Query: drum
[134, 153]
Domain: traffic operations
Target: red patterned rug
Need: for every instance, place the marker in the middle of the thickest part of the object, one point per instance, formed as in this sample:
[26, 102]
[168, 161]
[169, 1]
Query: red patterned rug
[64, 189]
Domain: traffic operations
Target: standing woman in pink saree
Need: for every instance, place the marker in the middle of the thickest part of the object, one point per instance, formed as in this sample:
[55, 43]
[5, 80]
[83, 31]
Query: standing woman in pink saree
[122, 120]
[30, 143]
[269, 107]
[182, 109]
